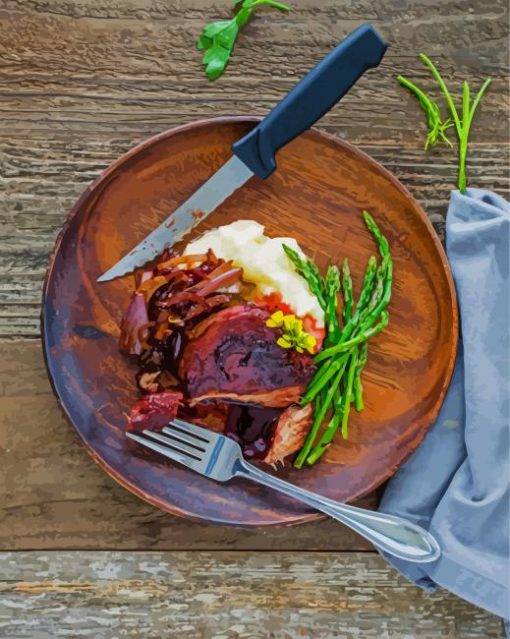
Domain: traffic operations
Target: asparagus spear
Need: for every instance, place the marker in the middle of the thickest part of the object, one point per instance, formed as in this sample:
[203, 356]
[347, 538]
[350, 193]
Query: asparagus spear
[361, 336]
[347, 291]
[371, 282]
[339, 416]
[332, 288]
[337, 381]
[358, 386]
[348, 391]
[319, 416]
[319, 382]
[310, 272]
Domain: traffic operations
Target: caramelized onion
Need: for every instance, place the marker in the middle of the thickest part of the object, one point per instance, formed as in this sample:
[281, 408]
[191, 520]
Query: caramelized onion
[187, 260]
[182, 297]
[146, 275]
[217, 300]
[150, 286]
[222, 268]
[143, 334]
[214, 283]
[136, 317]
[176, 276]
[162, 331]
[178, 290]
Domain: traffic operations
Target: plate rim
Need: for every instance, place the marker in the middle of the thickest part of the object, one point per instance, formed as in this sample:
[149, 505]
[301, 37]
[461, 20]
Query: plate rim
[313, 132]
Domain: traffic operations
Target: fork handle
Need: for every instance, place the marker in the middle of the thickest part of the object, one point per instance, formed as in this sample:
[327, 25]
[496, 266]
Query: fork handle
[389, 533]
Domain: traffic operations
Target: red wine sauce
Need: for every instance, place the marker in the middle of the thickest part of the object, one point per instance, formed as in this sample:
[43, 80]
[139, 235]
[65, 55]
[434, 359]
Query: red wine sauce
[253, 427]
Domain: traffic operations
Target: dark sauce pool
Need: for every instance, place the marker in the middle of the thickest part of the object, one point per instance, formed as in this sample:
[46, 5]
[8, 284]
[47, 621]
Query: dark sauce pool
[252, 427]
[163, 357]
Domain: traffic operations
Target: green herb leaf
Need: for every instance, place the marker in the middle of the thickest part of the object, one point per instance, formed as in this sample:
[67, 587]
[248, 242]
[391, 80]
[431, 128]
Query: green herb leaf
[218, 38]
[461, 122]
[435, 124]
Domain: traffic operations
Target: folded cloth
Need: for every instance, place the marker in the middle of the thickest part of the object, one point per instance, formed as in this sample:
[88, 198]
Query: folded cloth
[457, 483]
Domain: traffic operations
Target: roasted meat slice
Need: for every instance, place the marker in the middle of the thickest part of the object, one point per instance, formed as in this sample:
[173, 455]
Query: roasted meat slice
[154, 411]
[236, 357]
[290, 433]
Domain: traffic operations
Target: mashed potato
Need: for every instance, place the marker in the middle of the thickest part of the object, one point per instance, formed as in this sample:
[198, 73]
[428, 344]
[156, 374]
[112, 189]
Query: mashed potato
[264, 263]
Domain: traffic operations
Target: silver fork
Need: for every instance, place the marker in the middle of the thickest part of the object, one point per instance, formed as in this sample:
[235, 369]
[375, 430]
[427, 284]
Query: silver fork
[220, 458]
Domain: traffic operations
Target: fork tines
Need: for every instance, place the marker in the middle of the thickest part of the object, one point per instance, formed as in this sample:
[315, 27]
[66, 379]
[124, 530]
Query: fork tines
[180, 441]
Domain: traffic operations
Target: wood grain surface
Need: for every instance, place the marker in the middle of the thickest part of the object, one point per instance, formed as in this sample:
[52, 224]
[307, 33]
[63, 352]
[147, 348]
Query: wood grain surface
[225, 595]
[81, 82]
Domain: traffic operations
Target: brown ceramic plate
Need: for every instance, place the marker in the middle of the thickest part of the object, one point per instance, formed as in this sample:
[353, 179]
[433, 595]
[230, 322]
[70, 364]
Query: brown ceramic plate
[316, 196]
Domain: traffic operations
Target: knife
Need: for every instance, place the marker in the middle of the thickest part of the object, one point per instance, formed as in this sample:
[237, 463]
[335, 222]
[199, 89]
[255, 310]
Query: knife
[254, 154]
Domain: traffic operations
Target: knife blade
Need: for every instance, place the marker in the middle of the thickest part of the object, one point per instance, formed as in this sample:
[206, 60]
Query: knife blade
[254, 154]
[233, 174]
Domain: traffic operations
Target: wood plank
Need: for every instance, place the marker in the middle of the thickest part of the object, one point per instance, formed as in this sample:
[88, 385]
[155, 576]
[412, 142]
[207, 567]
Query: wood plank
[52, 495]
[141, 71]
[225, 595]
[112, 61]
[83, 82]
[34, 209]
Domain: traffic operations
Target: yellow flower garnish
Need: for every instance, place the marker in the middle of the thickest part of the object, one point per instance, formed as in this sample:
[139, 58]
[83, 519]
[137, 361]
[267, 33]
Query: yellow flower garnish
[276, 320]
[293, 334]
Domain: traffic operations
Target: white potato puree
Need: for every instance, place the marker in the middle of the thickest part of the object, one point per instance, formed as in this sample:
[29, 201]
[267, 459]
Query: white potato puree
[263, 261]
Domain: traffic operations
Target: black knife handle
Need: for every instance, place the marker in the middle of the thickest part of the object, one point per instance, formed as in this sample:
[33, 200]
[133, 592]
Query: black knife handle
[310, 99]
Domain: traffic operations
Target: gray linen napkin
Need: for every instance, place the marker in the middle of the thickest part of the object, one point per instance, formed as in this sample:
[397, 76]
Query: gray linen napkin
[457, 483]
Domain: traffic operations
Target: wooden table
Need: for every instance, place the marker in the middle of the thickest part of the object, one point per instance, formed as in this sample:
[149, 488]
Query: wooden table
[82, 81]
